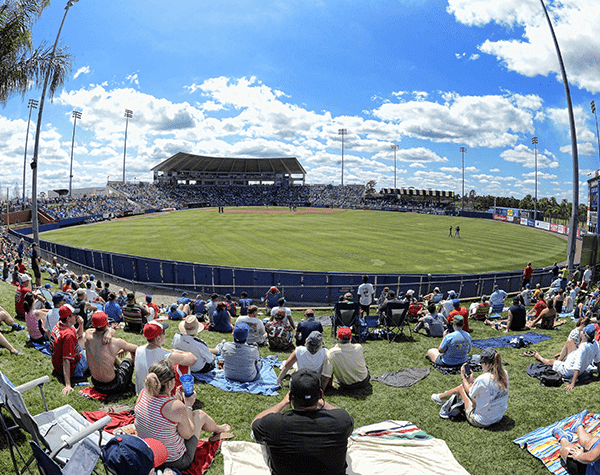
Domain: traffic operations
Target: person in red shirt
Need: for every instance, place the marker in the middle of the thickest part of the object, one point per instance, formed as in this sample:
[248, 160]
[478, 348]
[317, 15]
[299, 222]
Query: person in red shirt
[20, 295]
[152, 305]
[535, 312]
[527, 273]
[458, 310]
[65, 344]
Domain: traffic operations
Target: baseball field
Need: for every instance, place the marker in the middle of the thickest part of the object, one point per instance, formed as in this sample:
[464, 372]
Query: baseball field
[322, 240]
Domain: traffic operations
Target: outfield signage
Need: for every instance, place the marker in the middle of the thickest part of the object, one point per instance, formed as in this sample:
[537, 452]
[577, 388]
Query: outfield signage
[500, 217]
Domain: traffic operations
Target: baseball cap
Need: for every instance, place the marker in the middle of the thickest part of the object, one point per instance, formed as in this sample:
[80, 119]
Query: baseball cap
[183, 294]
[92, 276]
[65, 311]
[344, 333]
[153, 329]
[240, 332]
[227, 296]
[173, 307]
[57, 298]
[527, 285]
[348, 296]
[273, 290]
[306, 386]
[488, 355]
[451, 294]
[99, 320]
[130, 296]
[314, 339]
[309, 311]
[410, 292]
[590, 330]
[456, 302]
[148, 298]
[48, 286]
[127, 454]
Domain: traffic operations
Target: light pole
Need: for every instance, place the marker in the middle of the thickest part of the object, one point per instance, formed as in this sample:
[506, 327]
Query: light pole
[342, 132]
[128, 115]
[38, 129]
[32, 105]
[598, 181]
[394, 148]
[76, 115]
[463, 150]
[534, 141]
[575, 209]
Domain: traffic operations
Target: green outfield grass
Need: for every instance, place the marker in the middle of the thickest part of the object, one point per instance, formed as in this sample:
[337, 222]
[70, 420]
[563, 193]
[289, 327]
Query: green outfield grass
[480, 451]
[343, 241]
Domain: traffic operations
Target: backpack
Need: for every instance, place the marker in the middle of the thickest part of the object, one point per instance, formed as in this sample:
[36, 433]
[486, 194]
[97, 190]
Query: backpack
[452, 408]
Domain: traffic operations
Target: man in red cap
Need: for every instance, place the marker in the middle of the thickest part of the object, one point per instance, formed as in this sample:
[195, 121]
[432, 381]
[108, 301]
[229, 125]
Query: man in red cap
[145, 355]
[66, 342]
[347, 362]
[109, 374]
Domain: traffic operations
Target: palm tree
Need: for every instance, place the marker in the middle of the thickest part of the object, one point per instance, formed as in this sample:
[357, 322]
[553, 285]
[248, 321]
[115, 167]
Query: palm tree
[22, 66]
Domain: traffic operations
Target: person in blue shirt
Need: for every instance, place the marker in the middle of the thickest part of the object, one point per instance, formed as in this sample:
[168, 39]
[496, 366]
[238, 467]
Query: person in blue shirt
[198, 306]
[176, 312]
[454, 348]
[230, 305]
[184, 299]
[113, 309]
[221, 320]
[245, 302]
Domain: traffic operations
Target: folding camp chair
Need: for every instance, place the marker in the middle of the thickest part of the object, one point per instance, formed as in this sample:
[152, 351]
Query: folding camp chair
[396, 319]
[369, 327]
[346, 314]
[82, 462]
[56, 431]
[497, 307]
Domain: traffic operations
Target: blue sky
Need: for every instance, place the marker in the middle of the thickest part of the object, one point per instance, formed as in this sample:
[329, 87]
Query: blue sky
[269, 79]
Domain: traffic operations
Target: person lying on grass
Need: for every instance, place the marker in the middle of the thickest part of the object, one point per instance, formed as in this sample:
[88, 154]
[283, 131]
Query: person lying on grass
[577, 360]
[578, 458]
[485, 398]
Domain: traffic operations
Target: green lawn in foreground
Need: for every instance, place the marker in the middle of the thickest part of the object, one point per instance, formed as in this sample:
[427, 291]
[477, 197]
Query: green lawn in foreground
[480, 451]
[345, 241]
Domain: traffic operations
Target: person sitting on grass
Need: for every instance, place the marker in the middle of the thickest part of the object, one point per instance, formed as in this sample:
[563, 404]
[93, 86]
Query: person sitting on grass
[307, 326]
[152, 308]
[433, 322]
[575, 337]
[221, 320]
[577, 360]
[546, 320]
[113, 309]
[171, 419]
[279, 333]
[8, 320]
[458, 310]
[241, 361]
[287, 310]
[187, 341]
[257, 327]
[271, 299]
[178, 312]
[485, 398]
[578, 458]
[348, 363]
[311, 356]
[535, 312]
[454, 348]
[34, 319]
[109, 374]
[516, 321]
[478, 310]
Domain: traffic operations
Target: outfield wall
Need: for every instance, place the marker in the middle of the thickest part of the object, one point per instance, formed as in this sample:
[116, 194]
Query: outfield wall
[298, 287]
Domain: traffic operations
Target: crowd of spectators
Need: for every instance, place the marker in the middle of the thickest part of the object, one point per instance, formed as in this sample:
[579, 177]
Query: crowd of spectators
[71, 207]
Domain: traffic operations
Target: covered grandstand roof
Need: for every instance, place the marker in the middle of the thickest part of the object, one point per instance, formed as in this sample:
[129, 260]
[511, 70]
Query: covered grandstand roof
[199, 163]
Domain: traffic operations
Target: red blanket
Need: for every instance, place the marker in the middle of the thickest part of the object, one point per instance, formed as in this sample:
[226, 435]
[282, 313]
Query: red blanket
[205, 453]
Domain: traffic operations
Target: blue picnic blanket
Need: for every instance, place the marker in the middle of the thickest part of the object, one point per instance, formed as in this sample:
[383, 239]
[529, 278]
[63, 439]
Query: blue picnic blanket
[265, 383]
[43, 347]
[501, 341]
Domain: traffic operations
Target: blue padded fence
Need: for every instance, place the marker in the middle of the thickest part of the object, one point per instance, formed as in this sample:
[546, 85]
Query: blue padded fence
[298, 287]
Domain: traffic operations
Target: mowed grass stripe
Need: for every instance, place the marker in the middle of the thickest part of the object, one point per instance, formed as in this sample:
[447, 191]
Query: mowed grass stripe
[343, 241]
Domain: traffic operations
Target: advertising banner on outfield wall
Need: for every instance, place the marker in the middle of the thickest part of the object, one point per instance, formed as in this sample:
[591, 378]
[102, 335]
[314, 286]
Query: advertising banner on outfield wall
[542, 225]
[500, 217]
[554, 227]
[561, 229]
[510, 218]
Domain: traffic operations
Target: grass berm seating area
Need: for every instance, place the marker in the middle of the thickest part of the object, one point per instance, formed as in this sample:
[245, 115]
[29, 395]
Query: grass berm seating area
[480, 451]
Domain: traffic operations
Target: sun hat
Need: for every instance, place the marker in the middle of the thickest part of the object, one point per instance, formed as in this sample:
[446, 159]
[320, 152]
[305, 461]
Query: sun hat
[190, 326]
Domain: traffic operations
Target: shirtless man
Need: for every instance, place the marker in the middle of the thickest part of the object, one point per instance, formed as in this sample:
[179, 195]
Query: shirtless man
[109, 374]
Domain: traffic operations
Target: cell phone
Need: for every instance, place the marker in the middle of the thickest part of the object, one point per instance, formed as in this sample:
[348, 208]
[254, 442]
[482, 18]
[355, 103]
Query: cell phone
[467, 370]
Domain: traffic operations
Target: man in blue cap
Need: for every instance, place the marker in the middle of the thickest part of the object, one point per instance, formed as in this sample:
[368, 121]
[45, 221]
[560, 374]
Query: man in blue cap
[242, 361]
[577, 360]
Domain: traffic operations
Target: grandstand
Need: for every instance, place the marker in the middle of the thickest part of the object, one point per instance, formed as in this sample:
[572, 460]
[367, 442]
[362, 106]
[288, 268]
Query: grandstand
[187, 169]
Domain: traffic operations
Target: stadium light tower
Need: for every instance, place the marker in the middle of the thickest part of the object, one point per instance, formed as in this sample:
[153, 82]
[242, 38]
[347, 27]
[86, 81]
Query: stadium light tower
[593, 105]
[572, 246]
[38, 129]
[394, 148]
[128, 115]
[534, 141]
[76, 115]
[463, 150]
[342, 132]
[32, 105]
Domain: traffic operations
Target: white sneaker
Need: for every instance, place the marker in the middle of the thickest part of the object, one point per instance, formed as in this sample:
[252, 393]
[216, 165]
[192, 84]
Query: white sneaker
[437, 399]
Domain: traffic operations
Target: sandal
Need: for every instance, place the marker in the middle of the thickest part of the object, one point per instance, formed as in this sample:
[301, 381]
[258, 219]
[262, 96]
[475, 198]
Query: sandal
[527, 353]
[221, 436]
